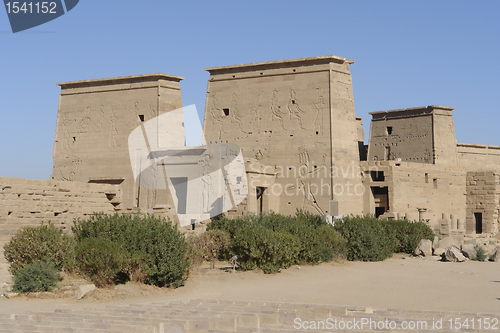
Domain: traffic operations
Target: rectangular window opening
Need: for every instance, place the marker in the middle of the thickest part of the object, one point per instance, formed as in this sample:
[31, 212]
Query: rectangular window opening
[141, 117]
[389, 130]
[226, 112]
[377, 176]
[435, 183]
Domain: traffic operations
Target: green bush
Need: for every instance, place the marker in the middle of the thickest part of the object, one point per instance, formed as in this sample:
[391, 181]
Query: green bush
[99, 260]
[407, 234]
[44, 243]
[36, 276]
[151, 246]
[371, 239]
[207, 246]
[260, 247]
[274, 241]
[367, 239]
[481, 254]
[334, 244]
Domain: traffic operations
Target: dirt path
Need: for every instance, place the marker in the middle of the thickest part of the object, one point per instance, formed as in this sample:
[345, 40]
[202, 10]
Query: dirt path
[410, 283]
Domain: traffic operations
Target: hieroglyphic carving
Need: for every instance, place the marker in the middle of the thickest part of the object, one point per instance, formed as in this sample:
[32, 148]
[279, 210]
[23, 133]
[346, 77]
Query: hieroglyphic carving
[259, 155]
[113, 134]
[256, 111]
[294, 108]
[276, 113]
[73, 170]
[217, 116]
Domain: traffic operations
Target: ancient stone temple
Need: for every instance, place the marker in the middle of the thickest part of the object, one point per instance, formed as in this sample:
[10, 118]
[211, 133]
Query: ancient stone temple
[293, 124]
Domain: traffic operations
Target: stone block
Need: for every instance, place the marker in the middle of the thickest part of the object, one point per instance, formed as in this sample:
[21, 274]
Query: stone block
[223, 324]
[453, 254]
[85, 290]
[424, 248]
[469, 252]
[248, 321]
[439, 251]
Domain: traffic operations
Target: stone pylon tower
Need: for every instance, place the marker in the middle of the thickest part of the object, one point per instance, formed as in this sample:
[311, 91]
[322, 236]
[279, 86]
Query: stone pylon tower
[296, 117]
[95, 118]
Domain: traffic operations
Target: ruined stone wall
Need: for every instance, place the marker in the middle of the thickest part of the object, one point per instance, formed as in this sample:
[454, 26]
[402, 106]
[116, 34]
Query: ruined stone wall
[26, 202]
[295, 115]
[95, 118]
[474, 157]
[417, 191]
[483, 202]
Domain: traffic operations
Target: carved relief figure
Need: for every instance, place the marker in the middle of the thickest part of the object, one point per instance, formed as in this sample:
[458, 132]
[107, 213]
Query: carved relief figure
[66, 136]
[235, 116]
[318, 107]
[256, 111]
[217, 116]
[73, 170]
[85, 121]
[276, 113]
[152, 111]
[113, 135]
[294, 108]
[136, 114]
[306, 177]
[100, 121]
[206, 166]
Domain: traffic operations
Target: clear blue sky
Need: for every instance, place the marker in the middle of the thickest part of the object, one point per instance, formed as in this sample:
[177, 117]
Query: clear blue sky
[407, 54]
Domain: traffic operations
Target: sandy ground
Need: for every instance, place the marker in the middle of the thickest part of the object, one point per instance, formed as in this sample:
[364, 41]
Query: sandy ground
[400, 283]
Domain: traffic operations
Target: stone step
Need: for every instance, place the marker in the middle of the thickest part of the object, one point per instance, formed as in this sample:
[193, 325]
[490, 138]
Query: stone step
[223, 316]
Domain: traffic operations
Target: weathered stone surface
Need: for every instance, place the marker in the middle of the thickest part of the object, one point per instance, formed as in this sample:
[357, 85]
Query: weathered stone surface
[496, 256]
[439, 251]
[85, 290]
[424, 248]
[435, 242]
[447, 242]
[453, 254]
[469, 252]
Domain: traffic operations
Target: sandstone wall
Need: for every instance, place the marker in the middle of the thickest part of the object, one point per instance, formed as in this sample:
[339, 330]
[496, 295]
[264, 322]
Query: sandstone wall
[418, 191]
[483, 202]
[95, 119]
[26, 202]
[296, 116]
[474, 157]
